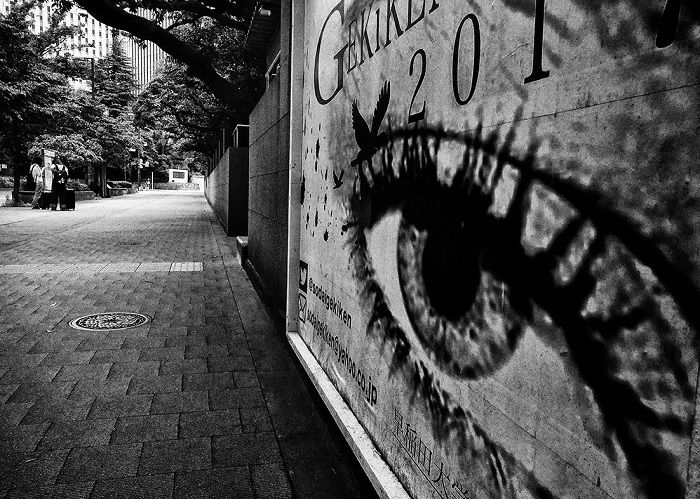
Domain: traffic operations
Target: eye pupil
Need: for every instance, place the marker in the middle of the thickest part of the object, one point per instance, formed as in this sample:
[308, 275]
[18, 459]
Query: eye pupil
[451, 270]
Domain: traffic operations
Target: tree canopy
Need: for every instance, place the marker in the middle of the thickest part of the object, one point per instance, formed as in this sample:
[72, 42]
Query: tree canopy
[114, 80]
[40, 109]
[203, 58]
[178, 108]
[35, 98]
[208, 83]
[180, 105]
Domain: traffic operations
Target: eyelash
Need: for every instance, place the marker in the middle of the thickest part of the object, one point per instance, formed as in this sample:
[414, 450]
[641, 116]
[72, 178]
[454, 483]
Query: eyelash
[483, 166]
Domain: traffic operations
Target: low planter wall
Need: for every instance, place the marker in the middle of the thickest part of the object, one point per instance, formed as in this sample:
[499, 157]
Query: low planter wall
[118, 191]
[84, 195]
[176, 186]
[27, 196]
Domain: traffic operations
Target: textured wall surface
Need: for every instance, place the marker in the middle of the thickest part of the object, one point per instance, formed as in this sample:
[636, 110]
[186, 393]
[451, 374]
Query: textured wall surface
[227, 191]
[269, 178]
[217, 190]
[500, 263]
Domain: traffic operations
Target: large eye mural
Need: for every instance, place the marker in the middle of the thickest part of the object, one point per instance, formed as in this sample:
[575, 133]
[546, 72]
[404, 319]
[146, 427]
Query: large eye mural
[471, 279]
[503, 323]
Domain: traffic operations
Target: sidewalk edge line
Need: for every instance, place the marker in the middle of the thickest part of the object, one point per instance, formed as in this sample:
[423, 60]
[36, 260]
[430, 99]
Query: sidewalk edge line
[384, 481]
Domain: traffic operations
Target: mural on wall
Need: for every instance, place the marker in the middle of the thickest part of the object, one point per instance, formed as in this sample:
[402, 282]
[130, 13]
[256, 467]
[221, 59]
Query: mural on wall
[503, 268]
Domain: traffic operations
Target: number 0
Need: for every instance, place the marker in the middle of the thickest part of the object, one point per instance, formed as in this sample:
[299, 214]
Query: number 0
[455, 60]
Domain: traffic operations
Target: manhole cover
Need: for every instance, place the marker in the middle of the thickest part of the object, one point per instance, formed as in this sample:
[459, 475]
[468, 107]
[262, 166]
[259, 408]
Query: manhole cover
[109, 321]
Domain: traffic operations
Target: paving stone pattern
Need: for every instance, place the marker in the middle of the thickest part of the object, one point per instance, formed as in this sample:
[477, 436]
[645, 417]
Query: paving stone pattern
[204, 401]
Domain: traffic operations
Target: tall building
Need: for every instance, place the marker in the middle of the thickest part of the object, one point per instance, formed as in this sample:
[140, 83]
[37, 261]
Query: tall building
[145, 56]
[94, 40]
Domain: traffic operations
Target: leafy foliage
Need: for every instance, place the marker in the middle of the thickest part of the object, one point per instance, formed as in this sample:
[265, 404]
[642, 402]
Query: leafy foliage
[34, 98]
[114, 81]
[188, 116]
[39, 109]
[209, 83]
[76, 149]
[231, 16]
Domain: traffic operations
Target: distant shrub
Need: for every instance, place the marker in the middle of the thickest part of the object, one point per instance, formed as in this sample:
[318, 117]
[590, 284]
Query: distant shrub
[77, 185]
[9, 202]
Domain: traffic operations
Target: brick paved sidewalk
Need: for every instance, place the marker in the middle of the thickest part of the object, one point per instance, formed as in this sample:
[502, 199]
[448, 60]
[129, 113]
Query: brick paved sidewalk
[204, 401]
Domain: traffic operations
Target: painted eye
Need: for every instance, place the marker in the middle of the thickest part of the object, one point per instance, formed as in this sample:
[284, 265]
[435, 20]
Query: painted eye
[465, 318]
[457, 255]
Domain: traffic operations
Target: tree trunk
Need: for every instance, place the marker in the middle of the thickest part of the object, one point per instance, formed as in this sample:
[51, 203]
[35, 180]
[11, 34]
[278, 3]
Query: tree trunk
[17, 160]
[15, 186]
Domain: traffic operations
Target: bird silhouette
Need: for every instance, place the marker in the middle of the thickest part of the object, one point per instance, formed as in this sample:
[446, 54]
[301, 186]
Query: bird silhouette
[369, 141]
[338, 181]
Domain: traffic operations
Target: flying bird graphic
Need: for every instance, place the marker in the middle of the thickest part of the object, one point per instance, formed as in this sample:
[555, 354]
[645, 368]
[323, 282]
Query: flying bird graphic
[369, 141]
[338, 180]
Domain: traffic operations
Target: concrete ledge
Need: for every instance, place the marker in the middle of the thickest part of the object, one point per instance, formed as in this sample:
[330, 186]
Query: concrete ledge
[241, 249]
[118, 191]
[27, 196]
[383, 479]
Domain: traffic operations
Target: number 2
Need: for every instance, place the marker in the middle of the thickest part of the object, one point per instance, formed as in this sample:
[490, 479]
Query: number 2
[420, 115]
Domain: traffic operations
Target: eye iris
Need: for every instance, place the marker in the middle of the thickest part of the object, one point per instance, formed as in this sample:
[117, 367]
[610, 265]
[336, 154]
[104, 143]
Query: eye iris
[461, 313]
[451, 269]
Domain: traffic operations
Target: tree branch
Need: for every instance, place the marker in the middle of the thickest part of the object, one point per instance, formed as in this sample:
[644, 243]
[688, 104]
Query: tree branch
[199, 65]
[183, 22]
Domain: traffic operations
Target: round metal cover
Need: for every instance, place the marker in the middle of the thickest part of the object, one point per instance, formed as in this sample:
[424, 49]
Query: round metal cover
[109, 321]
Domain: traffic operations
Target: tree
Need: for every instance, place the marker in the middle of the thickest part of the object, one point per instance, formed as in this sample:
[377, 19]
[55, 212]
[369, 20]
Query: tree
[114, 80]
[180, 105]
[34, 98]
[114, 91]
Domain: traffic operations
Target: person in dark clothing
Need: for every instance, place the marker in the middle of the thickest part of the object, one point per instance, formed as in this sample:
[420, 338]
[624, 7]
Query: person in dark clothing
[58, 187]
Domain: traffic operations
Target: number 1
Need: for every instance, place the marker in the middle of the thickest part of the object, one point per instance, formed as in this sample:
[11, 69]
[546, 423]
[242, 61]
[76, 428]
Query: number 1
[537, 73]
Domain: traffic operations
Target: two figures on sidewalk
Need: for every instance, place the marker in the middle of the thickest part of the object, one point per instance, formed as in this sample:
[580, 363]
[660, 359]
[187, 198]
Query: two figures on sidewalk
[51, 181]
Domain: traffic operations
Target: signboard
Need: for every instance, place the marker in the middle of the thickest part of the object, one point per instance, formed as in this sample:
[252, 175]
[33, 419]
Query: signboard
[47, 156]
[498, 270]
[178, 176]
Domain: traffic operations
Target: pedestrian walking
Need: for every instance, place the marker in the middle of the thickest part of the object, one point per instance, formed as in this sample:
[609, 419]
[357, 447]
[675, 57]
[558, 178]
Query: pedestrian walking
[35, 172]
[58, 187]
[47, 182]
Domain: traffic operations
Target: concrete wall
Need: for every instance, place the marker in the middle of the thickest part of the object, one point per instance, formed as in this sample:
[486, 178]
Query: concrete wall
[227, 191]
[499, 240]
[269, 180]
